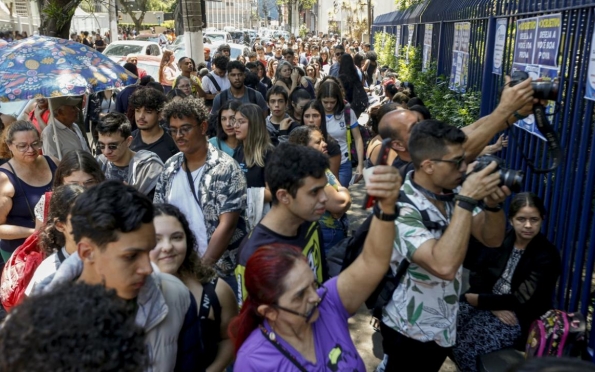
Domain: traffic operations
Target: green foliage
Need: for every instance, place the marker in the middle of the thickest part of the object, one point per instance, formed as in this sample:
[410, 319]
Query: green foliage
[59, 14]
[458, 109]
[405, 4]
[303, 30]
[384, 46]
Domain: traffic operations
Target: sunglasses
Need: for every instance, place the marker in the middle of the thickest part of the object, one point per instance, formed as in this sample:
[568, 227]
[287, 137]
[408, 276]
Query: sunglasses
[110, 146]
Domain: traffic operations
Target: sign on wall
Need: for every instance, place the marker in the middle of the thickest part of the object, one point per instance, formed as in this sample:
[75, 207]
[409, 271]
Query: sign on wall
[398, 43]
[501, 26]
[427, 52]
[460, 57]
[590, 92]
[536, 52]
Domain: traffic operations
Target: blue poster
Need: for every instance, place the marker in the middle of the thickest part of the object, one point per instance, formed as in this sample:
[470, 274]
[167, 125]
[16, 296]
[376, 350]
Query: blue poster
[460, 57]
[536, 52]
[590, 91]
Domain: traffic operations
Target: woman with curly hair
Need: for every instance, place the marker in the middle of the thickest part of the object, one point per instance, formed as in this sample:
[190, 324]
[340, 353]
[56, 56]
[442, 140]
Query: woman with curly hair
[56, 239]
[175, 254]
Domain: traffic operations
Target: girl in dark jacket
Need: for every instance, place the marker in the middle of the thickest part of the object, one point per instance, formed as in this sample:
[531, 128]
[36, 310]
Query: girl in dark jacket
[511, 286]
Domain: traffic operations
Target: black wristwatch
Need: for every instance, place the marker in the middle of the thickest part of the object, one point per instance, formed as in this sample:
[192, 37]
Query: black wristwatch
[493, 209]
[378, 213]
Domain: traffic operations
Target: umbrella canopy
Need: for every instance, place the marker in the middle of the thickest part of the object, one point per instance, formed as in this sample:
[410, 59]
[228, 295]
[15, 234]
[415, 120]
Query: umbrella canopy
[42, 66]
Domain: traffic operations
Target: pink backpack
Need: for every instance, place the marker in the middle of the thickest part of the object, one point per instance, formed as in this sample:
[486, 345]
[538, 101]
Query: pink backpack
[556, 333]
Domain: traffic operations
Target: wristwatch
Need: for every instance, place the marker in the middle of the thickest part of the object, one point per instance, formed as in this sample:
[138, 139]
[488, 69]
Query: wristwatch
[378, 213]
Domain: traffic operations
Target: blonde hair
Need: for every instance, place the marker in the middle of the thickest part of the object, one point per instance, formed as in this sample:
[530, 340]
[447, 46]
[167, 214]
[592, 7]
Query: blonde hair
[258, 140]
[164, 62]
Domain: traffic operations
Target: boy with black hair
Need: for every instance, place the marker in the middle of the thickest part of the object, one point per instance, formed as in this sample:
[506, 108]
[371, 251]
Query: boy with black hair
[148, 105]
[296, 177]
[279, 123]
[216, 81]
[112, 225]
[140, 169]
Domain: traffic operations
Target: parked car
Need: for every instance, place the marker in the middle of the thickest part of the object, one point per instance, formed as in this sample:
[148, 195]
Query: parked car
[118, 49]
[219, 37]
[148, 63]
[235, 50]
[240, 37]
[148, 37]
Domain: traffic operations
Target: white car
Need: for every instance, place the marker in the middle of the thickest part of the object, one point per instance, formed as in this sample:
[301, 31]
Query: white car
[219, 37]
[118, 49]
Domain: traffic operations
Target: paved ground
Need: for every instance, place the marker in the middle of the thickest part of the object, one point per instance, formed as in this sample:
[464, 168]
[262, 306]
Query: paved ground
[367, 341]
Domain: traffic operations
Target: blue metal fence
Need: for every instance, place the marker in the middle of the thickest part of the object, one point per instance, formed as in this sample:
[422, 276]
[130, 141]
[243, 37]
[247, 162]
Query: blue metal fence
[569, 192]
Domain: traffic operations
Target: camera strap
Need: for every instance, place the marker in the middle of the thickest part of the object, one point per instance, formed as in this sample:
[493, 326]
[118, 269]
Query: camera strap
[552, 141]
[448, 195]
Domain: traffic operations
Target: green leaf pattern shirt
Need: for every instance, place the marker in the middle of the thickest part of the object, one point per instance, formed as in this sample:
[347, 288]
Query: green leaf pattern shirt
[423, 307]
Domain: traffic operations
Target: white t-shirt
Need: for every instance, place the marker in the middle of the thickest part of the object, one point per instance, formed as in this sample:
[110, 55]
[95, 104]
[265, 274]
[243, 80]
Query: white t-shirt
[209, 87]
[47, 268]
[181, 197]
[336, 127]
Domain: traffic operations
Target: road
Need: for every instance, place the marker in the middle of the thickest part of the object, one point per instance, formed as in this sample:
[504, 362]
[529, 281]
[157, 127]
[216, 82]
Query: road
[368, 341]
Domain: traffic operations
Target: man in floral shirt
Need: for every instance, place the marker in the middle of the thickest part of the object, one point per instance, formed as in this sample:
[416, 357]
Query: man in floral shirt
[419, 323]
[206, 184]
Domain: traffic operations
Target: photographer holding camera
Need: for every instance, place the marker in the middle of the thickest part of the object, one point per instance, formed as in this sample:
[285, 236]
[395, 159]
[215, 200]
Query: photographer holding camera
[419, 322]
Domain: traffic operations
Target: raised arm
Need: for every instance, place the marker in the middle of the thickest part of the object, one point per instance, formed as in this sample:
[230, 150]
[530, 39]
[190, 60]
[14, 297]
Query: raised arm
[359, 280]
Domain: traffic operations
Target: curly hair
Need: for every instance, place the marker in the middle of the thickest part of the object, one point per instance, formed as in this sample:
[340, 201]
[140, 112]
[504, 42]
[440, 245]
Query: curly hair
[8, 135]
[192, 266]
[186, 108]
[301, 135]
[62, 200]
[78, 161]
[76, 327]
[148, 98]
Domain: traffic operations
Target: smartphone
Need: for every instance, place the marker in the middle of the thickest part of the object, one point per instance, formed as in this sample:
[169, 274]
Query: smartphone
[380, 160]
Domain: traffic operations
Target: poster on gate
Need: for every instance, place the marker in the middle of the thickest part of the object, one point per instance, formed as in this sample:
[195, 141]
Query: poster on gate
[427, 52]
[460, 57]
[536, 52]
[590, 91]
[410, 31]
[500, 42]
[398, 41]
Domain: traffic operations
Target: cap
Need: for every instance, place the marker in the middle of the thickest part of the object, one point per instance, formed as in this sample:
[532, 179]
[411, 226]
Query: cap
[65, 101]
[207, 49]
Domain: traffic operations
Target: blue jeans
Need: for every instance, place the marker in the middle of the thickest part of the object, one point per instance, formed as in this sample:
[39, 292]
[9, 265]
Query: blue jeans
[331, 237]
[345, 172]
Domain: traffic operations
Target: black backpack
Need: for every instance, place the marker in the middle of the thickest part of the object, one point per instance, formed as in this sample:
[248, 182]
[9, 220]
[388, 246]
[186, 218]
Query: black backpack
[341, 255]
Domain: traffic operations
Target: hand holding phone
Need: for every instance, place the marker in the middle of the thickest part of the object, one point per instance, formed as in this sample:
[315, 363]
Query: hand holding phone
[381, 160]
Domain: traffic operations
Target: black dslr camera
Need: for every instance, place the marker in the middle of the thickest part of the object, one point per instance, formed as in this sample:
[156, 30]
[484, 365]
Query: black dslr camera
[512, 179]
[541, 89]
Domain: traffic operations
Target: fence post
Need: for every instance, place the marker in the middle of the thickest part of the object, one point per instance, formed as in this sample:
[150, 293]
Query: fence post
[440, 58]
[487, 79]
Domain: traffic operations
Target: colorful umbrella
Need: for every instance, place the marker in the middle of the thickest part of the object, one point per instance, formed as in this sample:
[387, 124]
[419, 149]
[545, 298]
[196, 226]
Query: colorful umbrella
[42, 66]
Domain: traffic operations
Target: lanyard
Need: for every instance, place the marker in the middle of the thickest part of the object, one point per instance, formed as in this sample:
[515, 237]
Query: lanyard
[191, 182]
[273, 340]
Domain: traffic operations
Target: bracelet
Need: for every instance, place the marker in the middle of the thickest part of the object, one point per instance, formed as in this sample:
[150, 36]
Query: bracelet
[466, 199]
[493, 209]
[466, 205]
[378, 213]
[519, 116]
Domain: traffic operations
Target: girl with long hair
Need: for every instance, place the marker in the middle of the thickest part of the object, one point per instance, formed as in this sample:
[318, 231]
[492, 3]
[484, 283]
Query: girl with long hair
[272, 66]
[313, 115]
[168, 70]
[342, 125]
[297, 100]
[175, 254]
[351, 80]
[252, 154]
[226, 140]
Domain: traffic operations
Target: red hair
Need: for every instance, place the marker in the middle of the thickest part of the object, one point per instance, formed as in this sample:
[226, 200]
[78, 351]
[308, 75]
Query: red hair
[264, 275]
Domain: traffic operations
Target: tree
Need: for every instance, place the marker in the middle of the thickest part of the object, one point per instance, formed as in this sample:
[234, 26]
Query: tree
[56, 16]
[137, 9]
[301, 6]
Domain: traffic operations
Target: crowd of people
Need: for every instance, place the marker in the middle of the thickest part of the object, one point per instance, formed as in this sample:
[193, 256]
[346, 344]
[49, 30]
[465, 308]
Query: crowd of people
[206, 207]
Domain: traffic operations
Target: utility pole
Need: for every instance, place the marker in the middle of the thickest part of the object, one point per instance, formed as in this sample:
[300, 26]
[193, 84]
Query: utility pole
[113, 21]
[191, 11]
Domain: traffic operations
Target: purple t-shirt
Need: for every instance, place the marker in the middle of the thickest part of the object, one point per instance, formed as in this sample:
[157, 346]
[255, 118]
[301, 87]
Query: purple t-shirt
[335, 350]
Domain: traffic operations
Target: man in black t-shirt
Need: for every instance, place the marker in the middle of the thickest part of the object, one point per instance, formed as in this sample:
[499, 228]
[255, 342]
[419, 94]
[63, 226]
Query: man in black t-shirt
[148, 104]
[296, 178]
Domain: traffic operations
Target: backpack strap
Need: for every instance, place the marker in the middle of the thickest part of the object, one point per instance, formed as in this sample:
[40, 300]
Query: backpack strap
[60, 255]
[46, 206]
[208, 292]
[212, 78]
[427, 222]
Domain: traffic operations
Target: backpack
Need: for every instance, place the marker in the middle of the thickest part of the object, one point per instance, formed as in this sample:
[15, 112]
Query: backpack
[341, 255]
[21, 266]
[209, 102]
[214, 116]
[556, 333]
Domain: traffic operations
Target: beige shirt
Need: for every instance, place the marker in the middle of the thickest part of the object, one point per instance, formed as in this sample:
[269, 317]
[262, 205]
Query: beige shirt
[68, 139]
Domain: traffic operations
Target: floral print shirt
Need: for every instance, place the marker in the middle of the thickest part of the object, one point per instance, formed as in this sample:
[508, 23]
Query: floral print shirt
[423, 307]
[222, 190]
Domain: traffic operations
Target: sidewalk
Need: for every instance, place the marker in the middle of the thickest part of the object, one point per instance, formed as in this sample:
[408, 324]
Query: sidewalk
[366, 340]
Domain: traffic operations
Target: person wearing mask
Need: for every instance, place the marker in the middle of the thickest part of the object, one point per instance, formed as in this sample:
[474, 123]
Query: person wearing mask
[216, 81]
[24, 178]
[225, 139]
[113, 229]
[139, 169]
[148, 105]
[292, 321]
[175, 254]
[332, 222]
[207, 185]
[63, 135]
[168, 70]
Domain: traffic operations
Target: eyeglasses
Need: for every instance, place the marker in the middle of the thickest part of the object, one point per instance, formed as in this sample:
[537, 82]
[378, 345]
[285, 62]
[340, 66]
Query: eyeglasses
[308, 314]
[239, 123]
[110, 146]
[23, 147]
[183, 130]
[457, 162]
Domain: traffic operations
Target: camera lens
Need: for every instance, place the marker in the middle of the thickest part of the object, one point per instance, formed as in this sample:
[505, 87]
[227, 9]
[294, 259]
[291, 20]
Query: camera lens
[545, 90]
[512, 179]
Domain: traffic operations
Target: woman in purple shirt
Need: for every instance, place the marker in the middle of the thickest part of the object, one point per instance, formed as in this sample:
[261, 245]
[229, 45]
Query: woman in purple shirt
[289, 322]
